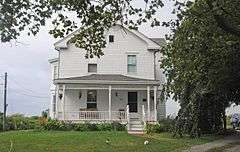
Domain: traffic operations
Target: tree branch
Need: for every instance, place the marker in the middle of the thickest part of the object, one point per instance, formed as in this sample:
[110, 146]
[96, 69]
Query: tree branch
[225, 24]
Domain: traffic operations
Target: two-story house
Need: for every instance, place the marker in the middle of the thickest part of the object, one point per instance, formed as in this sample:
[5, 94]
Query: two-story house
[123, 85]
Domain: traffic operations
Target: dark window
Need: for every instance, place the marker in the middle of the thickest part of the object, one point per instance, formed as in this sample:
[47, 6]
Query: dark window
[92, 68]
[54, 103]
[111, 38]
[92, 99]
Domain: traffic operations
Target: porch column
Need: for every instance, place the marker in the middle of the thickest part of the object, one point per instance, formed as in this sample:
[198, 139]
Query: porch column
[148, 103]
[155, 103]
[110, 102]
[63, 100]
[57, 101]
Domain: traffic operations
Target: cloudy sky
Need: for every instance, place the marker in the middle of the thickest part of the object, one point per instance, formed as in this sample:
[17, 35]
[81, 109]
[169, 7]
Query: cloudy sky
[26, 62]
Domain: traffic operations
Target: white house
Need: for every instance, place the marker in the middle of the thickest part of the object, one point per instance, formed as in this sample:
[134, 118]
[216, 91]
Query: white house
[123, 85]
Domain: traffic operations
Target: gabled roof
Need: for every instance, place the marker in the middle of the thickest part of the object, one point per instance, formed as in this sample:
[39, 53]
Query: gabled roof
[159, 41]
[62, 44]
[106, 79]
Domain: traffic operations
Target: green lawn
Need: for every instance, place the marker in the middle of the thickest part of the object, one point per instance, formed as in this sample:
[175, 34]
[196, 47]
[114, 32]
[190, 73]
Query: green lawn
[30, 141]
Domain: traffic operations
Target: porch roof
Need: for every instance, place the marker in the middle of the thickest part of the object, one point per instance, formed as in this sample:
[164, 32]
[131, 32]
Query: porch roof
[105, 79]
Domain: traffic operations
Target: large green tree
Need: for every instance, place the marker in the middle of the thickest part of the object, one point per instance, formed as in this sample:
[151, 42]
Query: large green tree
[202, 64]
[91, 17]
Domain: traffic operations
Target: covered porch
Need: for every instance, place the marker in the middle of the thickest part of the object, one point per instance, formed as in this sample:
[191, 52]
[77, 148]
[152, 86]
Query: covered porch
[101, 98]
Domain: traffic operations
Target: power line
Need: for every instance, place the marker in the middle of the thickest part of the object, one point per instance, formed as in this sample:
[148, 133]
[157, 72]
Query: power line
[22, 87]
[24, 94]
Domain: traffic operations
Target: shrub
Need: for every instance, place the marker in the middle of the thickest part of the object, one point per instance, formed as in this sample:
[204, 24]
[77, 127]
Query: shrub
[118, 126]
[19, 122]
[48, 124]
[81, 127]
[165, 125]
[92, 127]
[154, 128]
[105, 127]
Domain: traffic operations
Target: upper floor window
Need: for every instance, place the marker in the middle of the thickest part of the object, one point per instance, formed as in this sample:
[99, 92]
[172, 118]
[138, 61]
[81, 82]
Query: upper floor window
[132, 64]
[111, 38]
[92, 68]
[55, 72]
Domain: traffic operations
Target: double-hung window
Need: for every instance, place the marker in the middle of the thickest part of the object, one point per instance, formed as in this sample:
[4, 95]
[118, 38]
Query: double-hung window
[92, 99]
[132, 64]
[55, 72]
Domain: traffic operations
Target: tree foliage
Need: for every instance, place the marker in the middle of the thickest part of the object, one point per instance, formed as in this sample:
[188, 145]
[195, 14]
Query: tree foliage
[93, 18]
[202, 64]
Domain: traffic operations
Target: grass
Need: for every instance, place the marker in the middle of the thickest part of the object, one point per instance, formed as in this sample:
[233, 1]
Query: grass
[55, 141]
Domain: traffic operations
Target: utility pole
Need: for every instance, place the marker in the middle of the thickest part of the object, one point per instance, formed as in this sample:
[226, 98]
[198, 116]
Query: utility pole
[5, 102]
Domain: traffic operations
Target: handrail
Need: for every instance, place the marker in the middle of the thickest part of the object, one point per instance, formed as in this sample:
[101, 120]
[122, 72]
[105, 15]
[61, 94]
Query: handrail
[143, 115]
[128, 117]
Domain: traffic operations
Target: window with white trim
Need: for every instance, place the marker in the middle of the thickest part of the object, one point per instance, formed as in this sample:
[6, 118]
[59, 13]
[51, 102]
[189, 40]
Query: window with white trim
[132, 64]
[92, 99]
[54, 103]
[55, 72]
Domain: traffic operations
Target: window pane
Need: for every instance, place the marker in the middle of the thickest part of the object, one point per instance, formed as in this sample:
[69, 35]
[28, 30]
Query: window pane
[54, 103]
[111, 38]
[92, 96]
[91, 106]
[132, 68]
[132, 64]
[92, 68]
[55, 72]
[132, 60]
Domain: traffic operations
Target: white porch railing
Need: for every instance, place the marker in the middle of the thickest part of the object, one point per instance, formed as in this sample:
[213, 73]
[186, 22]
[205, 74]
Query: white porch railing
[92, 116]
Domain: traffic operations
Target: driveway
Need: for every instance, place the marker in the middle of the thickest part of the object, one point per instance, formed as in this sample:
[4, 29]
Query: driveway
[217, 144]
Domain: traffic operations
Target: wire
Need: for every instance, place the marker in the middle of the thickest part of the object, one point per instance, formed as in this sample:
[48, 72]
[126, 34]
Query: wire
[32, 95]
[28, 95]
[22, 87]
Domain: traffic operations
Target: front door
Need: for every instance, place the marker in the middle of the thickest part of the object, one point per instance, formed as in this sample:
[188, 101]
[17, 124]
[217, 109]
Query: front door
[132, 102]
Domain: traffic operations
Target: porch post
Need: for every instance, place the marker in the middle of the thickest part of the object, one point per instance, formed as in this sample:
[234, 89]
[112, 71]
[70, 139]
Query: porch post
[57, 101]
[155, 103]
[148, 103]
[63, 98]
[110, 102]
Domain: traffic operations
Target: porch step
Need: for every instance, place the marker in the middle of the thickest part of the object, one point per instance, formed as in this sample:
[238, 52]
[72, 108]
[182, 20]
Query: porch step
[135, 126]
[136, 122]
[136, 132]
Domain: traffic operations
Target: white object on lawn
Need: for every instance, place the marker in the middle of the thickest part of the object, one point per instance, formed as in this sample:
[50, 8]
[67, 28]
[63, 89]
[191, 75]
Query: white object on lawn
[146, 142]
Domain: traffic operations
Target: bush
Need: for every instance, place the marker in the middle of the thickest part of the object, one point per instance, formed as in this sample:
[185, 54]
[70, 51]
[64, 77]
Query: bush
[19, 122]
[49, 124]
[118, 126]
[105, 127]
[165, 125]
[154, 128]
[81, 127]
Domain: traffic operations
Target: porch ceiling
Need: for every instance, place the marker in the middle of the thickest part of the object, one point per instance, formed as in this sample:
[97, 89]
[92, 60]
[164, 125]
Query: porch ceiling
[105, 79]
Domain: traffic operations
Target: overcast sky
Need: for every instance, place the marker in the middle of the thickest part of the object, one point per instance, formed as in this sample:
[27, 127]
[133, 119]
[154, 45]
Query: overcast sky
[29, 71]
